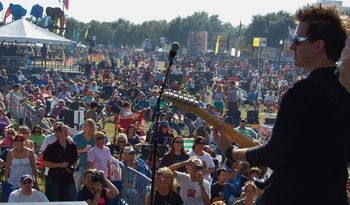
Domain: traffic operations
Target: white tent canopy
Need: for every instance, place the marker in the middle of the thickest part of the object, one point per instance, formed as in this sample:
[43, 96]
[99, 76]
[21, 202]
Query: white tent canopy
[27, 32]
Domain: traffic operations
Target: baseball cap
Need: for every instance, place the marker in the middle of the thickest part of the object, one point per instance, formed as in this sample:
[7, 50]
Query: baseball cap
[129, 150]
[25, 177]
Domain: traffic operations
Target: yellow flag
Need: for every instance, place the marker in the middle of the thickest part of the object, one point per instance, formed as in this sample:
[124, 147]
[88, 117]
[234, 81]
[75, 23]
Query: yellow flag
[256, 42]
[58, 25]
[217, 44]
[87, 31]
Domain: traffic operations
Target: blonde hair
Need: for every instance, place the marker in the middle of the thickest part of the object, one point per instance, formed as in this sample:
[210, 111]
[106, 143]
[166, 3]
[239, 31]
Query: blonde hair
[166, 171]
[91, 123]
[23, 128]
[121, 136]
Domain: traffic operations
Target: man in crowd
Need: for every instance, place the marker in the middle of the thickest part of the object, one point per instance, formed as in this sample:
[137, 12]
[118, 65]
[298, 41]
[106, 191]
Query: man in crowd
[304, 135]
[246, 131]
[195, 189]
[26, 193]
[62, 158]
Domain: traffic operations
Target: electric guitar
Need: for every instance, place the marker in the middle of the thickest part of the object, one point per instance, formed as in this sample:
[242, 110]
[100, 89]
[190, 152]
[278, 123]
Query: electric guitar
[189, 104]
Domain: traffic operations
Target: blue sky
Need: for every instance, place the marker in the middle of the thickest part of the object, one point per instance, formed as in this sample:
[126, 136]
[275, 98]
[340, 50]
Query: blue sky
[137, 11]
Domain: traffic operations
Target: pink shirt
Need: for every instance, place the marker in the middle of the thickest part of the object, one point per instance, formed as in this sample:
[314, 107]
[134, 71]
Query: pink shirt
[99, 158]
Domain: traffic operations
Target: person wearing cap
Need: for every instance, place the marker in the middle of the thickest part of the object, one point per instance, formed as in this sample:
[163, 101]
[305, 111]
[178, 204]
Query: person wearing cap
[246, 131]
[98, 157]
[131, 161]
[76, 104]
[61, 157]
[57, 109]
[26, 193]
[20, 160]
[198, 151]
[195, 189]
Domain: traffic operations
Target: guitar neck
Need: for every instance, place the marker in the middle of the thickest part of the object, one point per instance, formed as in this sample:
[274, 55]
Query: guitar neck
[231, 133]
[186, 104]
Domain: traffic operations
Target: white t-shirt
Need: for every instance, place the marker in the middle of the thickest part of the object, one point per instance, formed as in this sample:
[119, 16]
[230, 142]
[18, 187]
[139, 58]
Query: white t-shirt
[36, 196]
[190, 191]
[206, 160]
[49, 139]
[99, 158]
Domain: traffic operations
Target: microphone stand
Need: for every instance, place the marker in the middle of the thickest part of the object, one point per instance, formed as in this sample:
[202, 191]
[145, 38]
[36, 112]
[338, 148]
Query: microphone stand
[156, 132]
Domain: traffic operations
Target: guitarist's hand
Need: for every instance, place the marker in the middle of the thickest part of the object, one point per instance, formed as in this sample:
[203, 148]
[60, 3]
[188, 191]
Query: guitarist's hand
[221, 139]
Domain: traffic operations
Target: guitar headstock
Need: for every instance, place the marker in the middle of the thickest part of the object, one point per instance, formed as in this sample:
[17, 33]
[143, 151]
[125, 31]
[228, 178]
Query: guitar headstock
[178, 98]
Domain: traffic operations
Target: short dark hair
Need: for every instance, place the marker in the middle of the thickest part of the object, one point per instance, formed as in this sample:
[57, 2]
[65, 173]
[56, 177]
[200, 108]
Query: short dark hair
[220, 169]
[324, 23]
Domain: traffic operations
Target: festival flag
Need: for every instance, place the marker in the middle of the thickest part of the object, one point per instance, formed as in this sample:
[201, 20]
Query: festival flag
[217, 46]
[87, 31]
[58, 26]
[7, 13]
[66, 4]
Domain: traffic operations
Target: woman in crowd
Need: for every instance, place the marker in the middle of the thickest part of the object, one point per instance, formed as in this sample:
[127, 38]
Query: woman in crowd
[19, 161]
[97, 189]
[218, 97]
[84, 141]
[165, 189]
[119, 143]
[37, 95]
[7, 141]
[43, 121]
[4, 121]
[249, 195]
[133, 137]
[175, 154]
[37, 137]
[25, 132]
[99, 157]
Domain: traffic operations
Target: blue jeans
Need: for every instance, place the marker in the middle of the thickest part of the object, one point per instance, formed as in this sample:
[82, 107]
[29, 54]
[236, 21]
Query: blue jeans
[7, 188]
[56, 192]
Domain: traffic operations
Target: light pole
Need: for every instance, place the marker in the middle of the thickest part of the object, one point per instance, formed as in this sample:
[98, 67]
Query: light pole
[281, 50]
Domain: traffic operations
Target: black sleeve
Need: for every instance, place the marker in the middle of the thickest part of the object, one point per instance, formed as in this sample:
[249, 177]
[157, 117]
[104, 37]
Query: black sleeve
[164, 161]
[214, 191]
[285, 133]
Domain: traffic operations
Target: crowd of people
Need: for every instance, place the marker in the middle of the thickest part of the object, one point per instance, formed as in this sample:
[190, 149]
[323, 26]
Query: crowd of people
[125, 88]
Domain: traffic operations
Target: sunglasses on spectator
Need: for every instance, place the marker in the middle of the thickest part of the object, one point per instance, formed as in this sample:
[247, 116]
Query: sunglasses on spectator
[298, 39]
[27, 182]
[178, 142]
[160, 175]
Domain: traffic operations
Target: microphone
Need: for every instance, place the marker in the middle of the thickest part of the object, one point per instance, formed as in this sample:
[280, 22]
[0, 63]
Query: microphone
[173, 51]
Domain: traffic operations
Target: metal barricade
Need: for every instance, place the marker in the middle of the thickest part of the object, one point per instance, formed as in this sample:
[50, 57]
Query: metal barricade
[135, 186]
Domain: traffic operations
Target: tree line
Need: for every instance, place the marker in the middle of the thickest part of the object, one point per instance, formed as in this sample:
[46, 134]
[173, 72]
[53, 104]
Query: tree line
[122, 32]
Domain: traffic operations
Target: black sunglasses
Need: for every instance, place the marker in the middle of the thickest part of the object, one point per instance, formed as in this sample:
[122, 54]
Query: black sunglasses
[298, 39]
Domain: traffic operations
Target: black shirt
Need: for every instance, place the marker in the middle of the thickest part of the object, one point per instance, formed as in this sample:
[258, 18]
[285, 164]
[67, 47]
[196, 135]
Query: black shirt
[172, 198]
[57, 154]
[217, 190]
[309, 146]
[84, 194]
